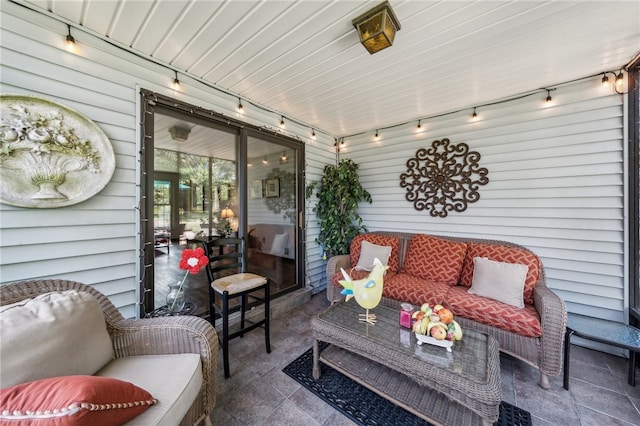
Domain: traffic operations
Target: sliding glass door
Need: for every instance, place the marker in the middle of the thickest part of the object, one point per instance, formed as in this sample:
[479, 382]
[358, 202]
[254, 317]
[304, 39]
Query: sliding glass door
[208, 178]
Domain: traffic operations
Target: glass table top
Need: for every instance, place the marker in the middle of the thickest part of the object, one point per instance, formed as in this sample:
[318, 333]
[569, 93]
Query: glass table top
[604, 330]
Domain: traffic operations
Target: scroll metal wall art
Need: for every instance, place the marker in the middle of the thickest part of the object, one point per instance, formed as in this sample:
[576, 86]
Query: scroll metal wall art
[443, 178]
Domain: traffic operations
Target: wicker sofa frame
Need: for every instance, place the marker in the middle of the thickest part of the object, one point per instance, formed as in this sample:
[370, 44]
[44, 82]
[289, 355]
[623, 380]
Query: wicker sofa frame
[544, 353]
[148, 336]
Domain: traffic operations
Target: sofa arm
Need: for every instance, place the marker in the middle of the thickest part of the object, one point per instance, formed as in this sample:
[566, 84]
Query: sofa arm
[553, 317]
[171, 335]
[333, 265]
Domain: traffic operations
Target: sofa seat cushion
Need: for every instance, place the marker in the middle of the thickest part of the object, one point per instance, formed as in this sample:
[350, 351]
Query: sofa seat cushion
[355, 249]
[500, 253]
[414, 290]
[73, 401]
[434, 259]
[356, 274]
[60, 333]
[523, 321]
[174, 380]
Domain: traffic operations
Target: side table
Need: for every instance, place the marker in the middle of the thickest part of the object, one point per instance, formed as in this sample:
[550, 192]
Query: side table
[603, 331]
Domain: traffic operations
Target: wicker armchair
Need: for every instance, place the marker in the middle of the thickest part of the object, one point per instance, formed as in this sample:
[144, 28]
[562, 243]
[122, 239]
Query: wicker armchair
[149, 336]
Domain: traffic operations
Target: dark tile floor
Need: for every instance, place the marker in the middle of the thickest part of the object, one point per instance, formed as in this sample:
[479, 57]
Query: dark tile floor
[259, 393]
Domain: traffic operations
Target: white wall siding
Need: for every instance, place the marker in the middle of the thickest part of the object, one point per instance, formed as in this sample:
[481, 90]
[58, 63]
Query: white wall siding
[556, 186]
[96, 241]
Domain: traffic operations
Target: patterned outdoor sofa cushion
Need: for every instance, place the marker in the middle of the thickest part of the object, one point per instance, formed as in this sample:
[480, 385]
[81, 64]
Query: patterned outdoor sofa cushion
[380, 240]
[503, 254]
[434, 259]
[524, 321]
[414, 290]
[356, 274]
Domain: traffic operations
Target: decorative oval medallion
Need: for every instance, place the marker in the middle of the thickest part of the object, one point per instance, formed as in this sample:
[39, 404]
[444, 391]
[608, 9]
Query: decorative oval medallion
[50, 155]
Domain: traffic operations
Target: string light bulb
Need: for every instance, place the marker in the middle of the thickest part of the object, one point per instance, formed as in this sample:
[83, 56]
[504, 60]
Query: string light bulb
[71, 42]
[619, 79]
[240, 107]
[265, 161]
[474, 116]
[549, 99]
[282, 121]
[377, 136]
[419, 124]
[176, 82]
[605, 79]
[313, 133]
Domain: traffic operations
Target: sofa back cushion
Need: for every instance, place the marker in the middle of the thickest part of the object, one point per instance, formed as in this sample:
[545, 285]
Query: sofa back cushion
[355, 249]
[434, 259]
[53, 334]
[503, 253]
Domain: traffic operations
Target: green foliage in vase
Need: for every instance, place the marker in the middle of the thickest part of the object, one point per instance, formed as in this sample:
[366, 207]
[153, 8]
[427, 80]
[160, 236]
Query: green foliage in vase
[339, 192]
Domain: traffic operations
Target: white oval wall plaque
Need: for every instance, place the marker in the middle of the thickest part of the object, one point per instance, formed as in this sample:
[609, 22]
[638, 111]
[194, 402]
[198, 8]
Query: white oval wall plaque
[50, 155]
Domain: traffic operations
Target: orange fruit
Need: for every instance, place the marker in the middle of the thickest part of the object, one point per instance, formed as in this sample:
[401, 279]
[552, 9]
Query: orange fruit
[446, 316]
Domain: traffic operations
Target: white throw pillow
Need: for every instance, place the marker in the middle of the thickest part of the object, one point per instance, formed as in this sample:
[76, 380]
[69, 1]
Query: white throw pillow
[368, 252]
[54, 334]
[278, 245]
[499, 281]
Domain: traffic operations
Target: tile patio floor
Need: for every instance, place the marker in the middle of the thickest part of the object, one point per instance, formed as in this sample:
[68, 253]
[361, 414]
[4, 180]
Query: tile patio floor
[259, 393]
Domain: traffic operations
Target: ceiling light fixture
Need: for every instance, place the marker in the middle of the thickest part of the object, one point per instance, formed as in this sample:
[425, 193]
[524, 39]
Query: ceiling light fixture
[605, 79]
[619, 79]
[377, 136]
[377, 27]
[240, 107]
[549, 99]
[313, 133]
[474, 116]
[282, 121]
[176, 82]
[179, 133]
[419, 124]
[71, 42]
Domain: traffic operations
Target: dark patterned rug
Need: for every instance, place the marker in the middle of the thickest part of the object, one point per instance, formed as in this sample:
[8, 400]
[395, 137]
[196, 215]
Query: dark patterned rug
[366, 407]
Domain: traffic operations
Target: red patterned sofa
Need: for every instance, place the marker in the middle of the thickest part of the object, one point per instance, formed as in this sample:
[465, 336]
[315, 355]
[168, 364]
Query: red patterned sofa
[439, 269]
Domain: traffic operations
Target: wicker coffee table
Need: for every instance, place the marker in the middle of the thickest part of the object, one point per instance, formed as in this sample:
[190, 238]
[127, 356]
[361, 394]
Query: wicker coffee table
[461, 387]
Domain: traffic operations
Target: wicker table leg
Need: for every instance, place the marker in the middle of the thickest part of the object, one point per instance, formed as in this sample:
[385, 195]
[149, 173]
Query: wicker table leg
[316, 359]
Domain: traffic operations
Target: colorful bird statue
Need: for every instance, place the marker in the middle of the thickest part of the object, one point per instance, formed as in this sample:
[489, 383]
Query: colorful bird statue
[367, 291]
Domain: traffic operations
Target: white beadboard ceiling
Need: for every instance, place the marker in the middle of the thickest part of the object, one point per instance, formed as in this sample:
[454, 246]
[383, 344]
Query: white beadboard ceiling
[302, 59]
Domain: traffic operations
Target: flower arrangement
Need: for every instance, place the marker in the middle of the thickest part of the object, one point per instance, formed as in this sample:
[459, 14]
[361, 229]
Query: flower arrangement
[192, 260]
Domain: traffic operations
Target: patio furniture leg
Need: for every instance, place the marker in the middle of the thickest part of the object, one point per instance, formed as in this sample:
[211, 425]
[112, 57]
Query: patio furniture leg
[567, 343]
[316, 359]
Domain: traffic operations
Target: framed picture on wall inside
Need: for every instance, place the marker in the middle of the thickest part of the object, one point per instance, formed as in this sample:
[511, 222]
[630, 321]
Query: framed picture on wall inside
[272, 188]
[255, 190]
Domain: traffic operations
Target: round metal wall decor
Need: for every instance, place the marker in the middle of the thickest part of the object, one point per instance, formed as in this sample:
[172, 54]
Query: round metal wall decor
[50, 155]
[443, 178]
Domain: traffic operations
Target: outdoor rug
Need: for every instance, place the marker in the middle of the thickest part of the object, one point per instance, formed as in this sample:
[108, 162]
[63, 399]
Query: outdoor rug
[366, 407]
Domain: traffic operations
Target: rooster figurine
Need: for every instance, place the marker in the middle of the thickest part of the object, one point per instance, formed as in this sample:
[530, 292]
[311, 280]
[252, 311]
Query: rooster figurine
[367, 291]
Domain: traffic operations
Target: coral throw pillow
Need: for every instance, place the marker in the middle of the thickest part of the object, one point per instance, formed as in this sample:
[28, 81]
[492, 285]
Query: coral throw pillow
[73, 401]
[355, 249]
[434, 259]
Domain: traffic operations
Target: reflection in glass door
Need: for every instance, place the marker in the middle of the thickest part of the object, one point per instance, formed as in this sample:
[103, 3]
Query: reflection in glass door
[271, 212]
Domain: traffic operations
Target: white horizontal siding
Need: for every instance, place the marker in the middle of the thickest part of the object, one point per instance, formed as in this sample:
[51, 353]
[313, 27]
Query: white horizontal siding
[556, 186]
[96, 242]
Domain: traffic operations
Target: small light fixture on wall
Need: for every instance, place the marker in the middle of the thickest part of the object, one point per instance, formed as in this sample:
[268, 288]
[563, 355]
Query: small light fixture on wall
[377, 27]
[240, 107]
[176, 82]
[71, 42]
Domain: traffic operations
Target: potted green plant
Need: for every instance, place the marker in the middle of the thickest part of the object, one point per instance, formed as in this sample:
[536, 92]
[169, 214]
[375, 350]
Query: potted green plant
[339, 192]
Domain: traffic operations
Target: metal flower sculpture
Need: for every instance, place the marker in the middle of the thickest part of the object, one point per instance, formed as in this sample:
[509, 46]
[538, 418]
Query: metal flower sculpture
[443, 178]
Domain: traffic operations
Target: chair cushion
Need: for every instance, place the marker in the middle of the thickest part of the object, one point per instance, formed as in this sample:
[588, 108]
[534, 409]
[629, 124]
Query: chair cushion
[174, 380]
[408, 288]
[73, 400]
[434, 259]
[53, 334]
[355, 249]
[237, 283]
[501, 253]
[525, 322]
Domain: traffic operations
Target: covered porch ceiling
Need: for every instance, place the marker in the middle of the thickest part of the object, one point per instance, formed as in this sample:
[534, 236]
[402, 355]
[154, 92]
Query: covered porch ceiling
[303, 59]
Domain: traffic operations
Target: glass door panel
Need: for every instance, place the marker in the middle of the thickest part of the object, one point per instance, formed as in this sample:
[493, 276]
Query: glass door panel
[271, 212]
